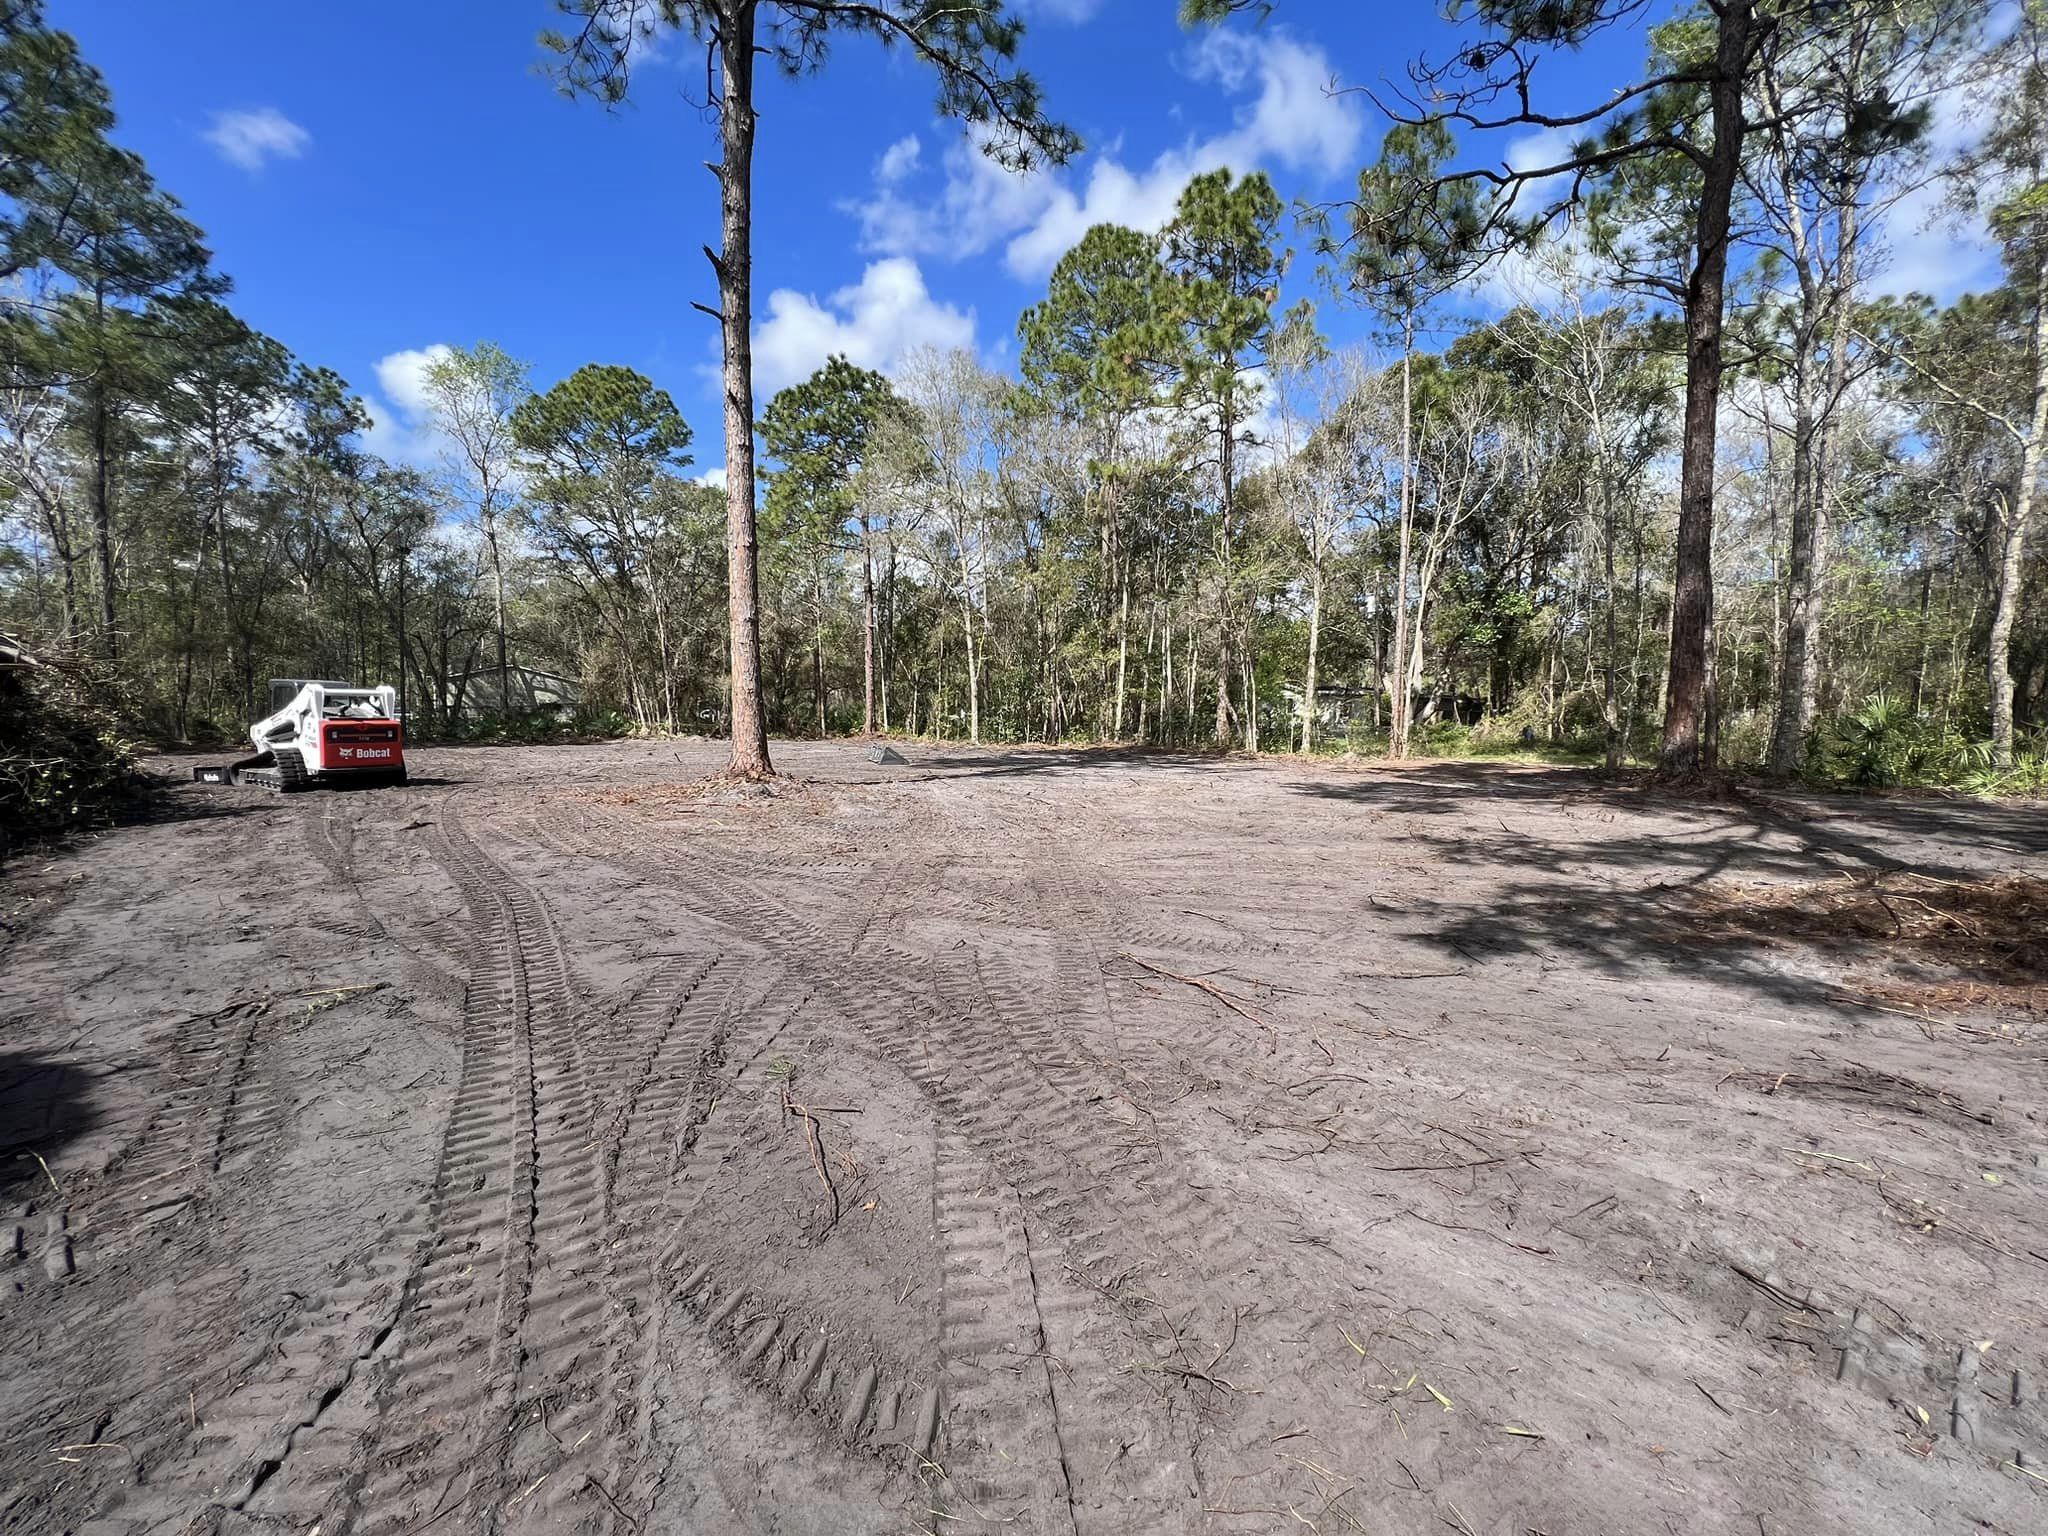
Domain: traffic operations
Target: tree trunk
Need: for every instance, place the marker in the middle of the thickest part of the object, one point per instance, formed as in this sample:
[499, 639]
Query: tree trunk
[735, 268]
[818, 647]
[1610, 713]
[103, 516]
[1123, 652]
[867, 628]
[1308, 682]
[1251, 702]
[498, 589]
[2013, 549]
[1226, 472]
[1799, 662]
[404, 713]
[1397, 698]
[886, 639]
[1926, 640]
[973, 664]
[1691, 744]
[1799, 674]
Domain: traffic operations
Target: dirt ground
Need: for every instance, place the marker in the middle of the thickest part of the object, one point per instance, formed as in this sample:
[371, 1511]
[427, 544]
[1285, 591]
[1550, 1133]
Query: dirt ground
[1036, 1141]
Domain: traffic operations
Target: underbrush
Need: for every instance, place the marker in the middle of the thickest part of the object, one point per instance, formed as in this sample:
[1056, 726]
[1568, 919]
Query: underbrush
[542, 729]
[67, 762]
[1883, 744]
[1488, 741]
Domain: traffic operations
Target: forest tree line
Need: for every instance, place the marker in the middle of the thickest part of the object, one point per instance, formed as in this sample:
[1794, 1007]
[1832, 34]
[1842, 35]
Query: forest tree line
[1188, 517]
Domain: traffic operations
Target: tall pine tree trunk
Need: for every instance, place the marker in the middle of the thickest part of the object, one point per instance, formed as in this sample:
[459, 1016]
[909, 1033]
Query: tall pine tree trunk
[1397, 673]
[735, 267]
[103, 515]
[1690, 744]
[867, 628]
[1226, 471]
[1799, 662]
[1308, 682]
[1812, 438]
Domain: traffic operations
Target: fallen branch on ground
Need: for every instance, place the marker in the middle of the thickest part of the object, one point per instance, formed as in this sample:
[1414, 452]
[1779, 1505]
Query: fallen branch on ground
[803, 1112]
[1199, 984]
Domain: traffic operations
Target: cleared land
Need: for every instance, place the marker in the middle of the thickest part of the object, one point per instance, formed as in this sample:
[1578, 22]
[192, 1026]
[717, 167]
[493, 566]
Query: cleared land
[1034, 1141]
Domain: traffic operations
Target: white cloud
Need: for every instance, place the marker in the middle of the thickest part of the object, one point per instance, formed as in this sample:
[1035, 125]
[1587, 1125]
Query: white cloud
[1936, 250]
[402, 376]
[1297, 120]
[252, 139]
[1294, 121]
[899, 160]
[1933, 250]
[715, 478]
[876, 323]
[399, 427]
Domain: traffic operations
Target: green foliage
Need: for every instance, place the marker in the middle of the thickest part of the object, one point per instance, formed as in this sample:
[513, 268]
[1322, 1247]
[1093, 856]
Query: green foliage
[545, 728]
[1414, 234]
[2026, 779]
[1222, 250]
[820, 432]
[1875, 746]
[1882, 744]
[1103, 341]
[970, 45]
[65, 759]
[600, 423]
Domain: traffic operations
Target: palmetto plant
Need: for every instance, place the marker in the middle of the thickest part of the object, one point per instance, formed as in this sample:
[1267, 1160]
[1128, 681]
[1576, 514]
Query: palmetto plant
[1877, 743]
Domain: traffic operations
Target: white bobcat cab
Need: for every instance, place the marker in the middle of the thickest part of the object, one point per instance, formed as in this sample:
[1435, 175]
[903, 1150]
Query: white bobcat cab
[321, 734]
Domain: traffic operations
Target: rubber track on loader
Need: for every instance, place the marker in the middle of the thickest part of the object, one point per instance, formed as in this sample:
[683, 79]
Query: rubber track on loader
[287, 777]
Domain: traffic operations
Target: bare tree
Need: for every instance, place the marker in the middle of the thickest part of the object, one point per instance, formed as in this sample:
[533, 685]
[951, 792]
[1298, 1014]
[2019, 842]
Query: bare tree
[1329, 462]
[955, 434]
[472, 393]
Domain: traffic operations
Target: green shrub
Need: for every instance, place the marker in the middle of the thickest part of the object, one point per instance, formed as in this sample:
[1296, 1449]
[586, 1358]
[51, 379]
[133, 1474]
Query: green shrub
[1442, 738]
[1877, 745]
[66, 761]
[1745, 739]
[2026, 779]
[541, 727]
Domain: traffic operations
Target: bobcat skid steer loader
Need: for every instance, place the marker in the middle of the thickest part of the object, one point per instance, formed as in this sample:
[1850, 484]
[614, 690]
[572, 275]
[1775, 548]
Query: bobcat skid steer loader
[322, 734]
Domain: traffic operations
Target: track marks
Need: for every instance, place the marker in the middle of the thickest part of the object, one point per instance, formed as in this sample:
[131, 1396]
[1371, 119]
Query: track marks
[1002, 1407]
[452, 1376]
[212, 1114]
[850, 1394]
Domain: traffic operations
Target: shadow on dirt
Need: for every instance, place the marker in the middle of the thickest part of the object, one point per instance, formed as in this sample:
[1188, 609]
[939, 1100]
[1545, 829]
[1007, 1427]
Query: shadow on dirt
[44, 1107]
[953, 762]
[1629, 904]
[176, 802]
[1747, 827]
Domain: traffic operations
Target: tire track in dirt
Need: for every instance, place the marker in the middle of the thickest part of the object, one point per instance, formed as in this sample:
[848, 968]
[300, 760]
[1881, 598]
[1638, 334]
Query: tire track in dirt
[851, 1396]
[200, 1069]
[444, 1393]
[664, 1052]
[834, 1390]
[268, 1444]
[987, 1083]
[559, 1400]
[1002, 1406]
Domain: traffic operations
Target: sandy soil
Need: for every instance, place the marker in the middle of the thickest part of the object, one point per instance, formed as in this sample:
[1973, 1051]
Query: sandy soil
[1033, 1141]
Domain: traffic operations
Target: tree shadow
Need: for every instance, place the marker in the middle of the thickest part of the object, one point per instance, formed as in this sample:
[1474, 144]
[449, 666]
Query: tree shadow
[44, 1107]
[956, 761]
[1585, 890]
[1744, 826]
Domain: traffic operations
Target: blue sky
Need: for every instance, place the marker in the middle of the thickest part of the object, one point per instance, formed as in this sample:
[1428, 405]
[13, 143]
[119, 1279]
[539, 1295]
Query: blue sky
[379, 179]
